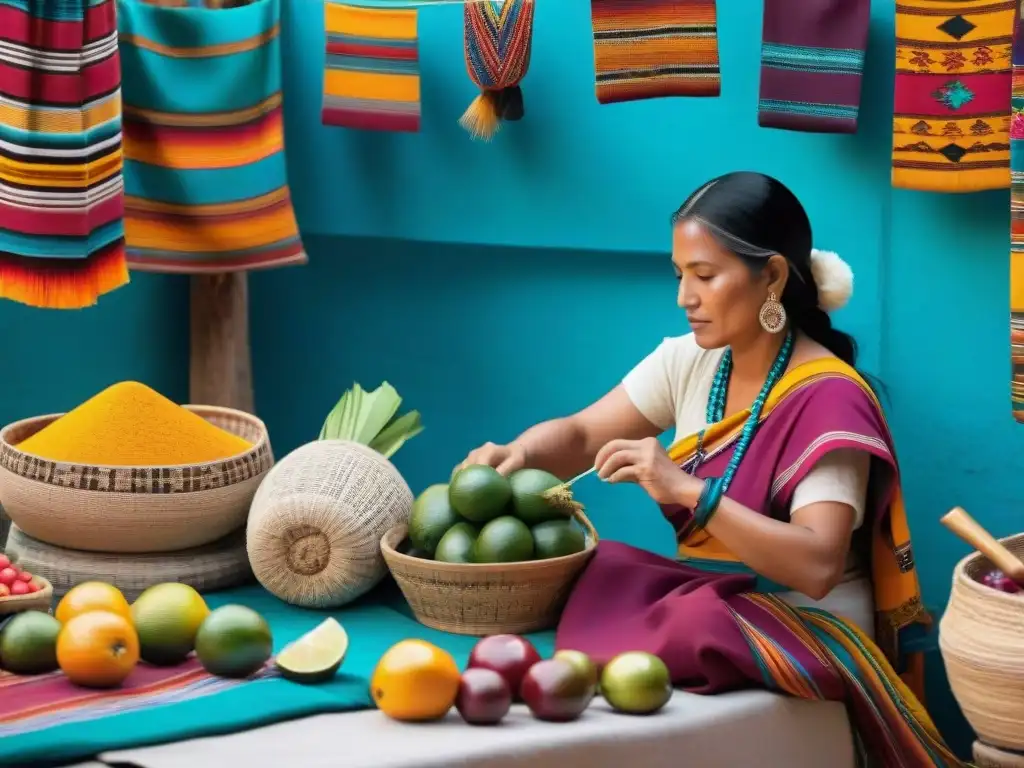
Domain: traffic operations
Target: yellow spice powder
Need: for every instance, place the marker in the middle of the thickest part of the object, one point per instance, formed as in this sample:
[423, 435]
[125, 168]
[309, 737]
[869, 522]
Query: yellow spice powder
[129, 424]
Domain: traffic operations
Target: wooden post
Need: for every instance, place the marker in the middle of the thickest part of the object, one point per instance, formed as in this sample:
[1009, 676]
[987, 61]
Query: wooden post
[220, 369]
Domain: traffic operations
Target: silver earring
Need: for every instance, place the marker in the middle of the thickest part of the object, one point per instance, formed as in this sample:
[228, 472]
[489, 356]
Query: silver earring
[773, 314]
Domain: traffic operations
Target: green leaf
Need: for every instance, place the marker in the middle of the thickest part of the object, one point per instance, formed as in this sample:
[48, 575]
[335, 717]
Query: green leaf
[379, 408]
[395, 434]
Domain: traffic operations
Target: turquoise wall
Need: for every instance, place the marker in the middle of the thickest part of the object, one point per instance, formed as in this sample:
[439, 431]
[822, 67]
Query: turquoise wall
[497, 285]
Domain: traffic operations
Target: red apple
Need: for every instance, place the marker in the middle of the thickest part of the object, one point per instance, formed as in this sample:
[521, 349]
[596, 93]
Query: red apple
[5, 591]
[24, 576]
[4, 560]
[995, 579]
[555, 690]
[8, 576]
[508, 655]
[19, 588]
[32, 587]
[484, 697]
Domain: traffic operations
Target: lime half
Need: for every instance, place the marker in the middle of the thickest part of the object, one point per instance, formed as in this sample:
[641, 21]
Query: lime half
[316, 656]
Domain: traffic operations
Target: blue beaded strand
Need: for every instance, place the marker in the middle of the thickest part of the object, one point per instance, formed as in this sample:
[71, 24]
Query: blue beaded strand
[715, 487]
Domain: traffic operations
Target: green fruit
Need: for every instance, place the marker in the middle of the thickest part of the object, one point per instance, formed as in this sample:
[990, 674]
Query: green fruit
[528, 488]
[479, 493]
[583, 664]
[234, 641]
[167, 617]
[432, 516]
[505, 539]
[456, 546]
[28, 643]
[316, 656]
[636, 682]
[557, 538]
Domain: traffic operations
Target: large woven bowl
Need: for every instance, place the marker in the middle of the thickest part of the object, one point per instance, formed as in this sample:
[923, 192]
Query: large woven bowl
[484, 598]
[132, 509]
[981, 637]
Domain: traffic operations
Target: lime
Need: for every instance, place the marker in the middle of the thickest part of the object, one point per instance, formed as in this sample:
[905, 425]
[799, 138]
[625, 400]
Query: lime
[167, 617]
[456, 546]
[557, 538]
[479, 493]
[316, 656]
[28, 643]
[432, 515]
[234, 641]
[505, 539]
[636, 682]
[528, 488]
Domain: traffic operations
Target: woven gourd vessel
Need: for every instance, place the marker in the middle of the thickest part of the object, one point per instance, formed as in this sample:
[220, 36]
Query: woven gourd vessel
[316, 522]
[981, 636]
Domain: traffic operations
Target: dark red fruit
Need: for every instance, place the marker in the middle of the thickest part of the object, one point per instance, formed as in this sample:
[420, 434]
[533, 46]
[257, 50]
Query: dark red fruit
[999, 580]
[484, 697]
[508, 655]
[555, 690]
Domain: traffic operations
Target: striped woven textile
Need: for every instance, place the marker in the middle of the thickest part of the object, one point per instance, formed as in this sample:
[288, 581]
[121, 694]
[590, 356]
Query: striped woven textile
[61, 190]
[812, 60]
[645, 49]
[951, 119]
[205, 177]
[372, 72]
[34, 703]
[1017, 228]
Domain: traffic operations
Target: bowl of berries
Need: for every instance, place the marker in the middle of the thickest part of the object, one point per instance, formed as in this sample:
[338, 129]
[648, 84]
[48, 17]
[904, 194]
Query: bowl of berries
[21, 591]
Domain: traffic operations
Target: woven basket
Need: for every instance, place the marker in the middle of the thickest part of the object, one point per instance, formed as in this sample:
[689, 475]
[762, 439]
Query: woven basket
[981, 637]
[220, 565]
[990, 757]
[486, 598]
[315, 525]
[39, 600]
[132, 509]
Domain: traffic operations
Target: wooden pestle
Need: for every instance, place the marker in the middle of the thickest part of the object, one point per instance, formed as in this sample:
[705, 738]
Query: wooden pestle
[967, 528]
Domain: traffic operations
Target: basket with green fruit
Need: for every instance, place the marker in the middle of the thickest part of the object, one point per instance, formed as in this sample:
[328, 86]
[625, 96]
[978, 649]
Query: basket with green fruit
[486, 554]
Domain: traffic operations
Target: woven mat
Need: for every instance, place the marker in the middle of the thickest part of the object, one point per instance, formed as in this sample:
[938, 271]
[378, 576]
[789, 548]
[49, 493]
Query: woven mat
[221, 565]
[50, 720]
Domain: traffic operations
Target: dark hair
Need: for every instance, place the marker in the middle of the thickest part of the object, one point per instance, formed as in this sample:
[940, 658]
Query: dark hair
[755, 216]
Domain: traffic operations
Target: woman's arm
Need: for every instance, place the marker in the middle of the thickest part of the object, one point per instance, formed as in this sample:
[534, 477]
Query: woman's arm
[566, 446]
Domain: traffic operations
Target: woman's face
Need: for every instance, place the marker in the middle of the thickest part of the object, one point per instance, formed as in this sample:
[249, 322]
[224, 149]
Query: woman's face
[721, 295]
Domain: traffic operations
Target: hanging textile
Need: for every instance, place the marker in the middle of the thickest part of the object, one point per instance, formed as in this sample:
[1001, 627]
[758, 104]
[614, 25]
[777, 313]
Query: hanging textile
[951, 119]
[205, 178]
[812, 60]
[497, 48]
[645, 49]
[61, 191]
[1017, 228]
[372, 73]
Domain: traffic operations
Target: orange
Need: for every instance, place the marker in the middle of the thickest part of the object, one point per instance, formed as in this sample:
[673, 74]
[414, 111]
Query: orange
[92, 596]
[415, 680]
[98, 649]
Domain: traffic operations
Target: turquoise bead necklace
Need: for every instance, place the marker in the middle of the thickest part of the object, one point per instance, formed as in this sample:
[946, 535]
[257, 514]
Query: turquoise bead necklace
[715, 487]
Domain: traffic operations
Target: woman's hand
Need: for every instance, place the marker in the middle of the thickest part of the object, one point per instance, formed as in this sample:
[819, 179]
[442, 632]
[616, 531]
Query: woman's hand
[504, 458]
[646, 463]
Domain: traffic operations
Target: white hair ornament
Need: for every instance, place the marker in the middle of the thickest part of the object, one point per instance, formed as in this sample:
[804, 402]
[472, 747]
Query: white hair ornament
[833, 277]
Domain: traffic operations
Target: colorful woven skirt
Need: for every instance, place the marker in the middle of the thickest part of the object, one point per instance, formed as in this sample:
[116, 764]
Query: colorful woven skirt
[372, 75]
[812, 60]
[61, 191]
[951, 122]
[205, 177]
[645, 49]
[1017, 228]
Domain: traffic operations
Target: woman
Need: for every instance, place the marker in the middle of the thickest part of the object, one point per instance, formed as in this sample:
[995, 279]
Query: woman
[794, 566]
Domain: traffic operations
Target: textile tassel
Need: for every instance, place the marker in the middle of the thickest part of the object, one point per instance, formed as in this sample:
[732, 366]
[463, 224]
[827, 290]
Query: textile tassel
[497, 47]
[646, 49]
[951, 121]
[61, 189]
[372, 71]
[812, 61]
[1017, 228]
